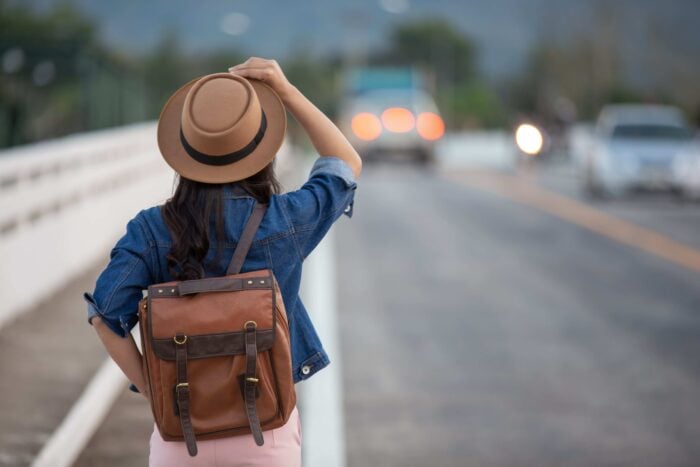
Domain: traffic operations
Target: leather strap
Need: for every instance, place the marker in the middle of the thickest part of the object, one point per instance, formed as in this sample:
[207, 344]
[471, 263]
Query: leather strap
[182, 394]
[251, 381]
[246, 239]
[214, 284]
[213, 345]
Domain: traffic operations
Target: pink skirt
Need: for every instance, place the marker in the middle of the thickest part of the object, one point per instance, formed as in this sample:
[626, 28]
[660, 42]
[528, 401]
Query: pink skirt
[282, 448]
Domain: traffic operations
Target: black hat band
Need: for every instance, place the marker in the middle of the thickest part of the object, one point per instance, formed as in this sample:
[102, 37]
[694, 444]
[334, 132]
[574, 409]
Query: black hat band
[231, 157]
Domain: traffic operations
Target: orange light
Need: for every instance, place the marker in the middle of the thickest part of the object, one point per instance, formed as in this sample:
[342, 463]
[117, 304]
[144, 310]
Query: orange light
[430, 126]
[398, 120]
[366, 126]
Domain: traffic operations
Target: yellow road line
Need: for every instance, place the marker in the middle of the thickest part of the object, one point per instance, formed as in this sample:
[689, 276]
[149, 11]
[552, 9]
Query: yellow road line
[575, 212]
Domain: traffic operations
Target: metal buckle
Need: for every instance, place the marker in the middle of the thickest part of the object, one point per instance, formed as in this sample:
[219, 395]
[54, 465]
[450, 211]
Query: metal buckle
[255, 325]
[182, 385]
[252, 380]
[178, 342]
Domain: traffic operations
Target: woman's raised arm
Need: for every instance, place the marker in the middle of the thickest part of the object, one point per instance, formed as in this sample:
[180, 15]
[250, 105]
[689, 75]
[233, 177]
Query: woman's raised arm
[323, 133]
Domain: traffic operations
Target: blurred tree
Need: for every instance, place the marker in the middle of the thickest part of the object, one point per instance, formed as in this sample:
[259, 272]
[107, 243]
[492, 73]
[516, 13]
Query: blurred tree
[57, 77]
[446, 54]
[217, 60]
[434, 44]
[597, 67]
[168, 66]
[318, 80]
[572, 71]
[83, 85]
[476, 104]
[38, 59]
[164, 71]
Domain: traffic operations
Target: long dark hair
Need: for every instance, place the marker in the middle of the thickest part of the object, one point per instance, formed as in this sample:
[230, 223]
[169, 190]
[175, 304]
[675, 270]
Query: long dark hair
[188, 216]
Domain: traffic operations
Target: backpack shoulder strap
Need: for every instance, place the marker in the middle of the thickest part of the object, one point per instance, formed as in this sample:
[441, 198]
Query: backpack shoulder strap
[246, 240]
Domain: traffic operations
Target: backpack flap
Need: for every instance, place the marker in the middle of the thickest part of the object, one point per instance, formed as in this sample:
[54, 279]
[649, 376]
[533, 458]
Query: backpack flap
[212, 313]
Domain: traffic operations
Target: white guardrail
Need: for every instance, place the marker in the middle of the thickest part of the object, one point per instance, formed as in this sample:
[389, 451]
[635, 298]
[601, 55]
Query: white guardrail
[64, 202]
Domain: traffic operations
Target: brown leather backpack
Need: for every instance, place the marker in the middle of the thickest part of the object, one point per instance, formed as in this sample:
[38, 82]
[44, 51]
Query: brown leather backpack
[216, 352]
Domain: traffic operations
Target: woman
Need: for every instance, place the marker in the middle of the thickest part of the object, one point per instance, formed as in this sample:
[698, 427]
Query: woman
[220, 133]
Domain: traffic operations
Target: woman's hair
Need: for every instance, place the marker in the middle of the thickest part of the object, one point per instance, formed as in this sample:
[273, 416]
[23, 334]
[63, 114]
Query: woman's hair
[189, 213]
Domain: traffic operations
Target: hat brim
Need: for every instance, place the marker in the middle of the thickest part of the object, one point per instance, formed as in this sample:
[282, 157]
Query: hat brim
[175, 155]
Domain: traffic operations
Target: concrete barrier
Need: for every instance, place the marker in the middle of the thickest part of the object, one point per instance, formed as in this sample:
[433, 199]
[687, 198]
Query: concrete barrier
[477, 149]
[64, 202]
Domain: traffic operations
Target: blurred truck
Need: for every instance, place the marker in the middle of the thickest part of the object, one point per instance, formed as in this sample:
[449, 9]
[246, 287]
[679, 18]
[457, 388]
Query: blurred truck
[636, 146]
[390, 111]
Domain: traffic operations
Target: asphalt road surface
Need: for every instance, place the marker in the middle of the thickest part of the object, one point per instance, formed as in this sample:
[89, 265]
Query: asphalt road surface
[487, 318]
[481, 326]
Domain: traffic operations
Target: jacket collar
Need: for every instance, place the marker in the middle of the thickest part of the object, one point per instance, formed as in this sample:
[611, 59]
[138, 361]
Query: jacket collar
[236, 190]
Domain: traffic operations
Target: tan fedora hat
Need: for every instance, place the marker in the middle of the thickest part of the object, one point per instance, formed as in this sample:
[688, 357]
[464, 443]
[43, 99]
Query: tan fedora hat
[221, 128]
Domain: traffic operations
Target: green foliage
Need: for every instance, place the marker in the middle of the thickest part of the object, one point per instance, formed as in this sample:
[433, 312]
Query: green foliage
[619, 93]
[434, 44]
[20, 24]
[54, 40]
[316, 79]
[95, 87]
[216, 61]
[163, 71]
[471, 104]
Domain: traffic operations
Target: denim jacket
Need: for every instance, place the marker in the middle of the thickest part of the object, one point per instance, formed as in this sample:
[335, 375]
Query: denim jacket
[295, 222]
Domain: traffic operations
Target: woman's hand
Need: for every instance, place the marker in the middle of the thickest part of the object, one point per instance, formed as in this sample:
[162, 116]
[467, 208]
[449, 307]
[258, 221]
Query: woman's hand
[264, 70]
[324, 135]
[123, 351]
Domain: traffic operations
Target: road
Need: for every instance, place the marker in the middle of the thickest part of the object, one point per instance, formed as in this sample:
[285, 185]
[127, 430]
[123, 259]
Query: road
[481, 330]
[487, 318]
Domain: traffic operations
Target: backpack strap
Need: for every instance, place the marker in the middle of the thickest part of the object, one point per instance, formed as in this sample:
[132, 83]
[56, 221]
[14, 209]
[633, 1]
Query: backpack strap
[246, 239]
[182, 393]
[251, 381]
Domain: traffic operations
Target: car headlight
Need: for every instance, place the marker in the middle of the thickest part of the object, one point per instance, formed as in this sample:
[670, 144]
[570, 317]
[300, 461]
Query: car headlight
[529, 139]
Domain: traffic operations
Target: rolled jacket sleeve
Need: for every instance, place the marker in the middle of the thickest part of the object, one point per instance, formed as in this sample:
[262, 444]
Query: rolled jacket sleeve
[328, 193]
[119, 286]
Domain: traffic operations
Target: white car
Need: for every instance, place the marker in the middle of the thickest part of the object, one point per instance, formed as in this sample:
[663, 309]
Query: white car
[636, 146]
[398, 121]
[686, 169]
